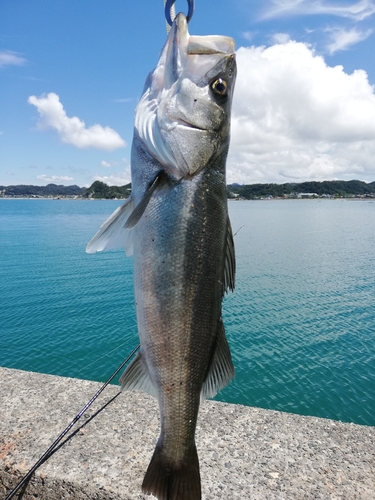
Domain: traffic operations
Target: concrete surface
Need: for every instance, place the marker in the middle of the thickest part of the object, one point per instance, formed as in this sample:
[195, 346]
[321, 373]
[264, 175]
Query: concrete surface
[245, 453]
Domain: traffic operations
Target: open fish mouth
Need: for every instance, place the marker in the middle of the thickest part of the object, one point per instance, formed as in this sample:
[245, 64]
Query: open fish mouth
[213, 44]
[183, 50]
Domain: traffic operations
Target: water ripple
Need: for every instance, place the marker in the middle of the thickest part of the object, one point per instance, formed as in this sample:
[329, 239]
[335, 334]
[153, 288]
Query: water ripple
[301, 323]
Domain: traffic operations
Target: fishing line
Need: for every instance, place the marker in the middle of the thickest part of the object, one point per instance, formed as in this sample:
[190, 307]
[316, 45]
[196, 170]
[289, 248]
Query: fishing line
[104, 356]
[238, 230]
[54, 446]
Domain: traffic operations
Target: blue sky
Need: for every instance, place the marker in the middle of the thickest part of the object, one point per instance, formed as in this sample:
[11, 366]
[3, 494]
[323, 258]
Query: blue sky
[71, 72]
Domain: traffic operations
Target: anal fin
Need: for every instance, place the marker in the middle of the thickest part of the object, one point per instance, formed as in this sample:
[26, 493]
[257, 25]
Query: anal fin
[230, 261]
[221, 370]
[136, 377]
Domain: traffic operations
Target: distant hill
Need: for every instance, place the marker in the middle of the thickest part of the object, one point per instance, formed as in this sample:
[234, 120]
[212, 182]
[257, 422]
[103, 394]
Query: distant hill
[49, 190]
[333, 188]
[100, 190]
[96, 190]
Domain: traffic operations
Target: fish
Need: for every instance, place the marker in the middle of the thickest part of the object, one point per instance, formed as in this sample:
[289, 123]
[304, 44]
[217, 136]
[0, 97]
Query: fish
[176, 225]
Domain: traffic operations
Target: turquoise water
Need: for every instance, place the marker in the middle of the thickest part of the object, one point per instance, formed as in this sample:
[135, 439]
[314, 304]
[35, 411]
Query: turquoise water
[301, 323]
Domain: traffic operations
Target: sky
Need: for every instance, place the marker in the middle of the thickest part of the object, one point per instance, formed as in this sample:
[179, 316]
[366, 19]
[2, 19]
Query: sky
[71, 73]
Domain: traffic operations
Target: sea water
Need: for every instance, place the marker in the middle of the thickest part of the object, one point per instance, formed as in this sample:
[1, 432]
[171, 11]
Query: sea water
[301, 323]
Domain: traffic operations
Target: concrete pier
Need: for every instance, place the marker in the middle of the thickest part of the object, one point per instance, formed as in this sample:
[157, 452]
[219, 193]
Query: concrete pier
[245, 453]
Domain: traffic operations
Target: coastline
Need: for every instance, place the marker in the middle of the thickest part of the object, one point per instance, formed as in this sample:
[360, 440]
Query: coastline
[244, 452]
[230, 200]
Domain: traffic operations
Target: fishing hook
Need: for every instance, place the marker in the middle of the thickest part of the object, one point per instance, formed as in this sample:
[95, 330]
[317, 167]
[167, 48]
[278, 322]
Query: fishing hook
[168, 6]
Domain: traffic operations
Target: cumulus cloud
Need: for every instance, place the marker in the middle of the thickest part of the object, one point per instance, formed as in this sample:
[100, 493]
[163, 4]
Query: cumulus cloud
[54, 178]
[73, 130]
[342, 39]
[296, 118]
[357, 11]
[9, 58]
[248, 35]
[116, 179]
[105, 164]
[280, 38]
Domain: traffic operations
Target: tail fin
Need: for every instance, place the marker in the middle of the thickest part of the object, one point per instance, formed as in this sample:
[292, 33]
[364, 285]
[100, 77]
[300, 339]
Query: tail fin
[170, 481]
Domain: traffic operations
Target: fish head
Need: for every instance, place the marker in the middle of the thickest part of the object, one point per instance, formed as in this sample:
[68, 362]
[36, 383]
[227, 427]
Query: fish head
[183, 116]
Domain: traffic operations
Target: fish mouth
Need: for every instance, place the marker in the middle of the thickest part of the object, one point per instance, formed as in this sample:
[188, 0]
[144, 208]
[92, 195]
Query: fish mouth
[190, 57]
[198, 45]
[213, 44]
[193, 55]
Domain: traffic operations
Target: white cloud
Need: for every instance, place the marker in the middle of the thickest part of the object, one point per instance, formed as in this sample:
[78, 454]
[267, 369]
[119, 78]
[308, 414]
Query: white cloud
[357, 11]
[105, 164]
[116, 179]
[280, 38]
[342, 39]
[54, 178]
[9, 58]
[296, 118]
[73, 130]
[248, 35]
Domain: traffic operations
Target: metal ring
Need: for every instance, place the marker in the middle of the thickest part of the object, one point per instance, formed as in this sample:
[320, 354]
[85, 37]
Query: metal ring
[168, 6]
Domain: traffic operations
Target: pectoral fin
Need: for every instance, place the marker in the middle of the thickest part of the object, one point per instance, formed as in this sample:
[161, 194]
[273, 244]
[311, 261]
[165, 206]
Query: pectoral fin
[221, 370]
[137, 213]
[112, 234]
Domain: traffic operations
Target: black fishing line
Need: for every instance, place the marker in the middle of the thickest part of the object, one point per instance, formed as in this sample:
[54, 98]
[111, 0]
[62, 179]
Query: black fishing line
[54, 446]
[238, 230]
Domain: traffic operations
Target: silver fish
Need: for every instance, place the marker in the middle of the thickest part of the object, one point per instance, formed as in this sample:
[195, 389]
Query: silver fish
[176, 224]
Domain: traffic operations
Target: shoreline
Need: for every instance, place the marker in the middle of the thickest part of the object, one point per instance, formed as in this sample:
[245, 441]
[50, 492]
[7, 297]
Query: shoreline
[369, 199]
[244, 452]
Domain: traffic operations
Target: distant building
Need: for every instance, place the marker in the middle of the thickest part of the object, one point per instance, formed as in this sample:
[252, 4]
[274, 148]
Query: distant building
[307, 195]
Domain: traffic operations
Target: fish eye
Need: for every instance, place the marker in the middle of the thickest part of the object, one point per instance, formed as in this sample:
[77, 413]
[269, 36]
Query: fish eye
[219, 87]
